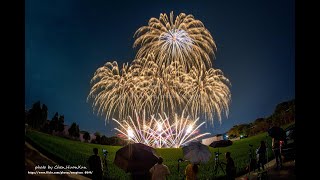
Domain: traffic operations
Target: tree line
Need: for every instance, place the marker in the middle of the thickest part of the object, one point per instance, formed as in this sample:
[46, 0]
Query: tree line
[37, 119]
[283, 114]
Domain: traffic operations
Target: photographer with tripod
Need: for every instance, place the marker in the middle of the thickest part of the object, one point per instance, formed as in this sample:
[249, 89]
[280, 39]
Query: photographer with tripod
[261, 153]
[105, 162]
[218, 164]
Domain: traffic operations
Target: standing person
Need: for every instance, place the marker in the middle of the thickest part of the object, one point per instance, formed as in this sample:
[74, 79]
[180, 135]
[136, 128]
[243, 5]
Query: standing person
[191, 171]
[262, 155]
[277, 152]
[230, 167]
[159, 171]
[95, 165]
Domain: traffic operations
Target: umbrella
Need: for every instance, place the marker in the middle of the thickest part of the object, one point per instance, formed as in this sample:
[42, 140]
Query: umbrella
[136, 157]
[196, 153]
[221, 143]
[277, 133]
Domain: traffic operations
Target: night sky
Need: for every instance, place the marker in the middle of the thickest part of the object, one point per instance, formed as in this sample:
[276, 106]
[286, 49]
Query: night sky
[67, 40]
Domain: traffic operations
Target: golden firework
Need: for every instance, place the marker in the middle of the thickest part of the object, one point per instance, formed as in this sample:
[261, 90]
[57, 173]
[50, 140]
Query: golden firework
[172, 73]
[207, 92]
[184, 39]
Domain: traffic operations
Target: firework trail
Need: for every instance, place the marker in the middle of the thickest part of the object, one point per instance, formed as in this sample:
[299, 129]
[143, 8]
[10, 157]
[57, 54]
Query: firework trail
[160, 132]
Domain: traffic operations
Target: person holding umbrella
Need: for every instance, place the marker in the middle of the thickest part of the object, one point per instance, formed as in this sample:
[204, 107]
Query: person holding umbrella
[191, 171]
[136, 158]
[196, 153]
[159, 171]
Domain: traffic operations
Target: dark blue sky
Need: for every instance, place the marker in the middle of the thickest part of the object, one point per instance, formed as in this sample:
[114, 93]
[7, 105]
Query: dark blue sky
[67, 40]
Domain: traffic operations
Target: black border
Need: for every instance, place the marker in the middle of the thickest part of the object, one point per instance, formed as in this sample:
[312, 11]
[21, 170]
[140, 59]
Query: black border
[13, 71]
[305, 141]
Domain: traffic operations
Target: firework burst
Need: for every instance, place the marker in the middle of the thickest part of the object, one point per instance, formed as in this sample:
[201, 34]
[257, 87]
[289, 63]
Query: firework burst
[184, 39]
[141, 86]
[207, 92]
[171, 74]
[118, 91]
[160, 132]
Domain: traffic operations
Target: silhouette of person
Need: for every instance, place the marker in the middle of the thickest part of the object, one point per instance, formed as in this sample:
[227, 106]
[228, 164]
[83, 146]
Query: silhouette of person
[191, 171]
[277, 152]
[95, 165]
[261, 152]
[159, 171]
[230, 167]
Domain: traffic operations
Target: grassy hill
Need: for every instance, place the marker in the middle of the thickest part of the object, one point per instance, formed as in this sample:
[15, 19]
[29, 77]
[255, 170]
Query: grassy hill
[65, 151]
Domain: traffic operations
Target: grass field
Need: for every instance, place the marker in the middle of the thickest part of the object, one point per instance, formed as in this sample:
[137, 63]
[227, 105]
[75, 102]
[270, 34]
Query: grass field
[65, 151]
[76, 153]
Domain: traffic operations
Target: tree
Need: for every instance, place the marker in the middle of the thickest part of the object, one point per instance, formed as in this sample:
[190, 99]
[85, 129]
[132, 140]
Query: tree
[98, 138]
[77, 131]
[54, 122]
[237, 130]
[86, 136]
[116, 141]
[46, 128]
[244, 129]
[34, 117]
[74, 130]
[57, 123]
[44, 114]
[60, 126]
[104, 140]
[259, 120]
[233, 132]
[284, 113]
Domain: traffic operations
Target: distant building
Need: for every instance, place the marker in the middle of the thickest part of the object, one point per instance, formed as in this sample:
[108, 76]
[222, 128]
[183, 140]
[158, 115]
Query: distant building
[92, 137]
[81, 137]
[66, 130]
[218, 137]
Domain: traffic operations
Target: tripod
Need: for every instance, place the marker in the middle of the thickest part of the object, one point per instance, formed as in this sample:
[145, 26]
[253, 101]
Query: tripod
[217, 164]
[179, 175]
[105, 163]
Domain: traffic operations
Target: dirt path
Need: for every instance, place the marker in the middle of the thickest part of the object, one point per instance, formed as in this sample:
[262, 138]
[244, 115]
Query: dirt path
[34, 158]
[286, 172]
